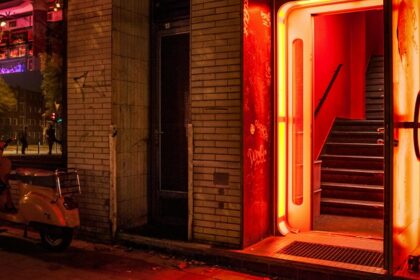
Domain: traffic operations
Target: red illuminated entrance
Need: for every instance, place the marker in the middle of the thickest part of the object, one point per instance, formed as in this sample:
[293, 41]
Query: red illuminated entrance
[304, 38]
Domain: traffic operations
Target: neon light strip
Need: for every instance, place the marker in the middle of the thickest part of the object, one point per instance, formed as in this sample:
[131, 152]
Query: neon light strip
[18, 68]
[281, 121]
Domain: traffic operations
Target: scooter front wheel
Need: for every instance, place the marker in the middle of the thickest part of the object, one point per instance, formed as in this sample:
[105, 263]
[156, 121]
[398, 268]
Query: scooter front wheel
[56, 239]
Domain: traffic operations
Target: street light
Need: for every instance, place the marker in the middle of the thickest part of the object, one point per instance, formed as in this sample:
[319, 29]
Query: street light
[57, 5]
[3, 21]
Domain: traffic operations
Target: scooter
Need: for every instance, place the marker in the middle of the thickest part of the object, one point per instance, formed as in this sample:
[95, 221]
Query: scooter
[47, 201]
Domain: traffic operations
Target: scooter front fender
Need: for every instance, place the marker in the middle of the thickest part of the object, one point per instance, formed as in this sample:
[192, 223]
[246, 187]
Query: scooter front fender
[46, 209]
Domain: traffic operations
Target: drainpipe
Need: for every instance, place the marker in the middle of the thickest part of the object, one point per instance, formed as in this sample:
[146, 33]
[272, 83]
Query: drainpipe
[113, 180]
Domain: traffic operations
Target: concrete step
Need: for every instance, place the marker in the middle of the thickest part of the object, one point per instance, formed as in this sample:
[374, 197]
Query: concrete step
[362, 149]
[376, 63]
[375, 81]
[353, 161]
[375, 106]
[347, 207]
[375, 75]
[354, 136]
[357, 125]
[352, 191]
[352, 176]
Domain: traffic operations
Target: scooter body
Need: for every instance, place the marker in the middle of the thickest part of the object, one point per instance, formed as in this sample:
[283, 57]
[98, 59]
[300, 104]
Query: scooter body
[47, 203]
[40, 201]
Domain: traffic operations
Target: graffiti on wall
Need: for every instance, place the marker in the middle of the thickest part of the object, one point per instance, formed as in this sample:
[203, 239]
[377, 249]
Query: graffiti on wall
[257, 118]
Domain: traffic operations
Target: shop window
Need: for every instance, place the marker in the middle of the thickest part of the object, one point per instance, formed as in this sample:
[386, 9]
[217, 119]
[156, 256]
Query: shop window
[32, 72]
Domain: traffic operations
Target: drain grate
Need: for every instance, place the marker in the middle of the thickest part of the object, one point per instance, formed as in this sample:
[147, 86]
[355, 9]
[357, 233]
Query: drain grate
[334, 253]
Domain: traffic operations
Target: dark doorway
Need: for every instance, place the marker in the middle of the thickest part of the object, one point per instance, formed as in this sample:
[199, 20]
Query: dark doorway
[169, 203]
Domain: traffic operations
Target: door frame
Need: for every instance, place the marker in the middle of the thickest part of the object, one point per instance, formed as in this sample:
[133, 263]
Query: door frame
[158, 31]
[299, 215]
[283, 86]
[388, 138]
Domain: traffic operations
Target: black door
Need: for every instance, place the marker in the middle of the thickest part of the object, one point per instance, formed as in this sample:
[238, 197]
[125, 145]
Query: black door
[170, 182]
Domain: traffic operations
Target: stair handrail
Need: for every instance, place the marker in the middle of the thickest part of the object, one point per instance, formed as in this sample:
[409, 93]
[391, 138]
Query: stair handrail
[327, 91]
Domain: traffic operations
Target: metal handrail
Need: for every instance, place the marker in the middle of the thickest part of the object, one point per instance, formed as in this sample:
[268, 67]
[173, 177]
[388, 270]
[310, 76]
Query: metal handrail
[324, 96]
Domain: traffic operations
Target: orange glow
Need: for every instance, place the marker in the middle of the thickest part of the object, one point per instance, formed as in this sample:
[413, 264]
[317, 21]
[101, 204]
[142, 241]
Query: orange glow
[297, 126]
[294, 21]
[281, 124]
[406, 167]
[257, 120]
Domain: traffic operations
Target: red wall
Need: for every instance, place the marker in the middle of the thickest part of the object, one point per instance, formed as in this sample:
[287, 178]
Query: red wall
[257, 122]
[357, 24]
[349, 39]
[374, 36]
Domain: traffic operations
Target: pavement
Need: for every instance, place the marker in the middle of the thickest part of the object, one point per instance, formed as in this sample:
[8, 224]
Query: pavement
[32, 149]
[24, 258]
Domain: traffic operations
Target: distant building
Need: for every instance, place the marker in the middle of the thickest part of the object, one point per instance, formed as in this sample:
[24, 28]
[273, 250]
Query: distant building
[23, 36]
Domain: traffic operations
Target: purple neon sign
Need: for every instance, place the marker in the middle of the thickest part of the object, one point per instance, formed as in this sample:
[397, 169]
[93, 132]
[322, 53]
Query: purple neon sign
[12, 68]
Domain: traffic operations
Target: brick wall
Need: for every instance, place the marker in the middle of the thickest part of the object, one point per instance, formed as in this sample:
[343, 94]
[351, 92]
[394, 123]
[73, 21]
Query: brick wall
[89, 109]
[216, 115]
[108, 62]
[130, 105]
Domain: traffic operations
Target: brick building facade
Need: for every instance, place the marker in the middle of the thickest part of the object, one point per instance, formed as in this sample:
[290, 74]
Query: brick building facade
[197, 120]
[109, 88]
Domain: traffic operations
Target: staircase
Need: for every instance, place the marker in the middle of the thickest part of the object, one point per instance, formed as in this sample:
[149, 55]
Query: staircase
[352, 175]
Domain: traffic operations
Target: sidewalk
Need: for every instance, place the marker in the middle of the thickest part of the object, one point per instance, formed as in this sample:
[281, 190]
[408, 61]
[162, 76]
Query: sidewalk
[24, 258]
[254, 259]
[32, 149]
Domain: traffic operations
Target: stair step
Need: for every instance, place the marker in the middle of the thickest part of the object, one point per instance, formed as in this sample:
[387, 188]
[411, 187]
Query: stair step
[349, 207]
[353, 161]
[374, 95]
[377, 58]
[375, 81]
[353, 191]
[370, 88]
[357, 125]
[352, 176]
[352, 172]
[375, 116]
[379, 97]
[375, 101]
[368, 149]
[370, 107]
[373, 110]
[344, 136]
[375, 75]
[376, 63]
[376, 69]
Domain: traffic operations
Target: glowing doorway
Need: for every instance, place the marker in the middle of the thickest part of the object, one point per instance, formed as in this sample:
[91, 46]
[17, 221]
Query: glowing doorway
[294, 106]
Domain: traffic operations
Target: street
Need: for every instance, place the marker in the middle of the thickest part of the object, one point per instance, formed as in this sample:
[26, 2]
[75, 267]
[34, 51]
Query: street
[25, 259]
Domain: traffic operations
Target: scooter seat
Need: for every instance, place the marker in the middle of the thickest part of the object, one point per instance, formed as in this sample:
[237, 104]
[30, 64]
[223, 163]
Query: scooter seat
[34, 172]
[38, 177]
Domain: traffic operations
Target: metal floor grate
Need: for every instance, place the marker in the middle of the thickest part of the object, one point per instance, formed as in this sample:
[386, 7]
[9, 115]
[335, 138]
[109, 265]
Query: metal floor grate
[334, 253]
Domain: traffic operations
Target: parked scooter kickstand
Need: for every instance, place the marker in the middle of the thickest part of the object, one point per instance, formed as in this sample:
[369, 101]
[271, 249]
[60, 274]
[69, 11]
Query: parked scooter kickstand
[47, 201]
